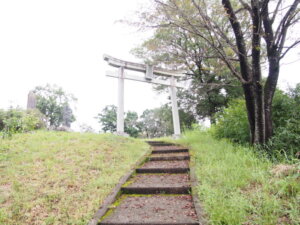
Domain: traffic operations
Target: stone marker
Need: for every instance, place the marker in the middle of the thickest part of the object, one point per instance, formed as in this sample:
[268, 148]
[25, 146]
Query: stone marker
[31, 101]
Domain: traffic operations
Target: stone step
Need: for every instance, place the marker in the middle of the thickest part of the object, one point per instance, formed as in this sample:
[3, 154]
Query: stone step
[141, 223]
[170, 156]
[169, 150]
[160, 143]
[162, 170]
[155, 142]
[153, 209]
[156, 190]
[158, 183]
[181, 166]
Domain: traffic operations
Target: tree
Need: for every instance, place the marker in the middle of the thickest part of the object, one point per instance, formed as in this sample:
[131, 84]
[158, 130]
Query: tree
[54, 103]
[131, 124]
[233, 30]
[210, 87]
[108, 120]
[85, 128]
[158, 122]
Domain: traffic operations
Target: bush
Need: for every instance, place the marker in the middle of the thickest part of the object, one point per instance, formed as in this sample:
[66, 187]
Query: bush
[286, 120]
[18, 121]
[232, 123]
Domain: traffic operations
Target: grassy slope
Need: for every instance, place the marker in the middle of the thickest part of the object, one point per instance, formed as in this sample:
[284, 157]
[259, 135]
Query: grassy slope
[237, 187]
[61, 178]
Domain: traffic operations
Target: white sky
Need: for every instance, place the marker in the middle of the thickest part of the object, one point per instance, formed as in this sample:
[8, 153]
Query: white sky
[62, 42]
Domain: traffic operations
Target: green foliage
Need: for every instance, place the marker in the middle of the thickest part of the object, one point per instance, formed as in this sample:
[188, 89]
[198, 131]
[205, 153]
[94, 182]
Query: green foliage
[237, 186]
[132, 126]
[232, 123]
[286, 117]
[152, 123]
[187, 119]
[108, 120]
[158, 122]
[16, 120]
[54, 103]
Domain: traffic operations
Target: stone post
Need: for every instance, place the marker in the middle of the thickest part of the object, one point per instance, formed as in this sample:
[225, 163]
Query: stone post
[31, 100]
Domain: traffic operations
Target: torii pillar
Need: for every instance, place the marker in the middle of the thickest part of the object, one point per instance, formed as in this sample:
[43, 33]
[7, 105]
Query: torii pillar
[120, 112]
[175, 113]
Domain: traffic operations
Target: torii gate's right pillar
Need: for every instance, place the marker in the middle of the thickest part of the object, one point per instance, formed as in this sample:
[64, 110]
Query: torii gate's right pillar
[175, 113]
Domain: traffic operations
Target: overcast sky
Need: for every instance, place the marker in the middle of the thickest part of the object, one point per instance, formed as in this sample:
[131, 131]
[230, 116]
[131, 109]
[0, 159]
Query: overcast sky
[62, 42]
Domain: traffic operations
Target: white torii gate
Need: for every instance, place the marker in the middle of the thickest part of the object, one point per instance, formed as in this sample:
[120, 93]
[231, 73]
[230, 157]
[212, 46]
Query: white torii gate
[149, 71]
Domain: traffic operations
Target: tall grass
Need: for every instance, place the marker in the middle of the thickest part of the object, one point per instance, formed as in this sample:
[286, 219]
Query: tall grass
[236, 185]
[61, 178]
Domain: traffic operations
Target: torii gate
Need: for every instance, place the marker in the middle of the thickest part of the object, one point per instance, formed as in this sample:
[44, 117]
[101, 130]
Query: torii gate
[149, 71]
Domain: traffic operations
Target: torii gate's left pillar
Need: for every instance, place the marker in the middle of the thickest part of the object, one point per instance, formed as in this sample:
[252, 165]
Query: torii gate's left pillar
[120, 112]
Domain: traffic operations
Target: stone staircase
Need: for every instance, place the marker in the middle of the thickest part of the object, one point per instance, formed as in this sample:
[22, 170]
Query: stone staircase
[159, 193]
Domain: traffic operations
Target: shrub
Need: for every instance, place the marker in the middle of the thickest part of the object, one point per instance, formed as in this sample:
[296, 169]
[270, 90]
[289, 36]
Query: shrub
[18, 121]
[286, 119]
[232, 123]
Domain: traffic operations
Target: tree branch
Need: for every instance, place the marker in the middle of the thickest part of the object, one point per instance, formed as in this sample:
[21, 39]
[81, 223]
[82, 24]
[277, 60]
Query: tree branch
[289, 48]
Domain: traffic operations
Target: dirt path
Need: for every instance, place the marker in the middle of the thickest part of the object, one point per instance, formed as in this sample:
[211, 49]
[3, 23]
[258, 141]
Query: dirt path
[159, 192]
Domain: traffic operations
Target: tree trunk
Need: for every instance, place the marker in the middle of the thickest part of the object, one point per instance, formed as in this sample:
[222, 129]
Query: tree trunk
[250, 103]
[269, 91]
[259, 132]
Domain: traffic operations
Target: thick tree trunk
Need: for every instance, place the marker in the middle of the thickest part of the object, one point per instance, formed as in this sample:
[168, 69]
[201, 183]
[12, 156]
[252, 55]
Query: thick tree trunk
[250, 103]
[254, 98]
[269, 91]
[259, 137]
[259, 132]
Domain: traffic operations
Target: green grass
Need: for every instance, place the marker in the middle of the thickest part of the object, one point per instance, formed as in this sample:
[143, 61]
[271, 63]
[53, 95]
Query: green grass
[61, 178]
[236, 186]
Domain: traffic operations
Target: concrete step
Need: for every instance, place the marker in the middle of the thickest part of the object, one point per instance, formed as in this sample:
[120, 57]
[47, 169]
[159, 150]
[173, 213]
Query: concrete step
[156, 190]
[153, 209]
[155, 142]
[159, 143]
[170, 156]
[164, 167]
[162, 170]
[175, 223]
[158, 183]
[169, 150]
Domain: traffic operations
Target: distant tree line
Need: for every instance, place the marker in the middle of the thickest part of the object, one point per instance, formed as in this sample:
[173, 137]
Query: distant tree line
[152, 123]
